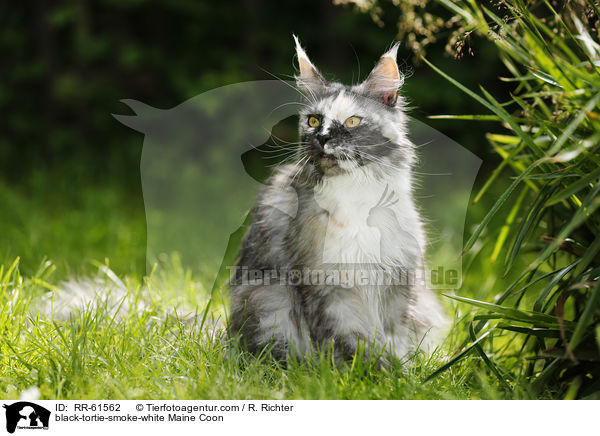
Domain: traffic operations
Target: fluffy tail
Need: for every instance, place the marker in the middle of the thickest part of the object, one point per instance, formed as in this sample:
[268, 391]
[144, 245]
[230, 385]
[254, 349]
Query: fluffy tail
[79, 294]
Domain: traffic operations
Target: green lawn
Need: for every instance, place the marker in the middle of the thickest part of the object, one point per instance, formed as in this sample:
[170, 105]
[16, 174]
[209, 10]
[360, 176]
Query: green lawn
[152, 336]
[149, 339]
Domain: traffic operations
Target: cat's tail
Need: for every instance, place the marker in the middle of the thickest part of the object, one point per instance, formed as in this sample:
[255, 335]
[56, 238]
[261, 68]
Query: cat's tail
[106, 296]
[89, 294]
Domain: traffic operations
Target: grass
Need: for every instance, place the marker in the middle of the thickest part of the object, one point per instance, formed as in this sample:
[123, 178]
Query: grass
[143, 336]
[151, 339]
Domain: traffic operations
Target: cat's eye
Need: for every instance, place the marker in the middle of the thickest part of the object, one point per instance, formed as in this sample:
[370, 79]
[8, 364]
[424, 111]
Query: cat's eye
[352, 122]
[313, 121]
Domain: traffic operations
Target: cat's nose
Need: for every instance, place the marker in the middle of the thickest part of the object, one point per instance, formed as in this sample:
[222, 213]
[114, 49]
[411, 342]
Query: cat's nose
[323, 139]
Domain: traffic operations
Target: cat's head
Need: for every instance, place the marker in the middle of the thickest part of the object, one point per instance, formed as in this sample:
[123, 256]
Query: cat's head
[358, 128]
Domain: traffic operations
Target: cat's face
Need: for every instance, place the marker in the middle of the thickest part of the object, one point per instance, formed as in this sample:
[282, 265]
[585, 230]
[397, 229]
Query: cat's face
[346, 129]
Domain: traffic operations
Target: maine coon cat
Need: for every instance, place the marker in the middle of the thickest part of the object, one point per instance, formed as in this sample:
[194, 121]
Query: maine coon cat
[334, 252]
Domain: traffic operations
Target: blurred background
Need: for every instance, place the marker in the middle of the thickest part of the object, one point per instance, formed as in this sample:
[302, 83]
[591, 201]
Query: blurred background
[70, 188]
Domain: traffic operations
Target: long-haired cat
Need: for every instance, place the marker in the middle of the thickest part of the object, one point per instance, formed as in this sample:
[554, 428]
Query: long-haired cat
[334, 253]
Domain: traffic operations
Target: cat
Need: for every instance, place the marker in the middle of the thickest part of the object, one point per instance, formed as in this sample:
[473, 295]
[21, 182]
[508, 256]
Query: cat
[336, 240]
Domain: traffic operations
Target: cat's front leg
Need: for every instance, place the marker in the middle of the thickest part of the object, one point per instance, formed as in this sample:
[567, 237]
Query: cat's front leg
[269, 316]
[342, 319]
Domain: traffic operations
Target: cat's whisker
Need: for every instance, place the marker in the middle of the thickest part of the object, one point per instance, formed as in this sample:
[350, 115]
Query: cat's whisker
[274, 148]
[287, 142]
[381, 162]
[288, 146]
[280, 158]
[431, 174]
[297, 103]
[287, 160]
[285, 149]
[423, 144]
[389, 141]
[295, 88]
[299, 168]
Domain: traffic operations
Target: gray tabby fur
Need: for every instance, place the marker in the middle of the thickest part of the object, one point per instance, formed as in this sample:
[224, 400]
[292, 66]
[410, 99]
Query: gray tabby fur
[343, 201]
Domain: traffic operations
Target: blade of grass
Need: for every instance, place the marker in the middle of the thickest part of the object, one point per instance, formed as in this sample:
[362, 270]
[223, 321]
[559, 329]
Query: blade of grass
[508, 224]
[494, 209]
[456, 358]
[487, 360]
[586, 317]
[574, 188]
[589, 205]
[539, 302]
[514, 314]
[570, 129]
[526, 224]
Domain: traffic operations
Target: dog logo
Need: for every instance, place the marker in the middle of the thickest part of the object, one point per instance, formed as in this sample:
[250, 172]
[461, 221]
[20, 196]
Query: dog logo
[26, 415]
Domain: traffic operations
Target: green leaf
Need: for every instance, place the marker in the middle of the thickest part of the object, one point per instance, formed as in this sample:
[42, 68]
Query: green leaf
[497, 205]
[506, 159]
[504, 231]
[589, 255]
[465, 117]
[539, 302]
[487, 360]
[588, 206]
[536, 331]
[574, 188]
[546, 78]
[536, 318]
[570, 129]
[533, 217]
[586, 317]
[456, 358]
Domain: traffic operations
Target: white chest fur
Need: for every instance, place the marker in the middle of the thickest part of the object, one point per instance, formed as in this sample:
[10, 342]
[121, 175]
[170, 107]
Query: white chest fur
[370, 220]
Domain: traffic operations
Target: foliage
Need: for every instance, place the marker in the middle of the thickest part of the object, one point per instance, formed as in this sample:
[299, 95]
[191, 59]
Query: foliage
[67, 65]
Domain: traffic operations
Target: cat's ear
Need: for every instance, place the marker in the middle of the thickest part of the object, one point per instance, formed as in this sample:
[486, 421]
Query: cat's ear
[385, 79]
[309, 75]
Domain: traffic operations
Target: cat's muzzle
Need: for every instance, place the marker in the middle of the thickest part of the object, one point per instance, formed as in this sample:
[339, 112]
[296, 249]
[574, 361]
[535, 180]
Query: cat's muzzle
[327, 162]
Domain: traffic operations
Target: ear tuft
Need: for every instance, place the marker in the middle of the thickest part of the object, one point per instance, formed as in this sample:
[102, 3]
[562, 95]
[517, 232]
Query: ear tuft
[392, 52]
[309, 75]
[385, 79]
